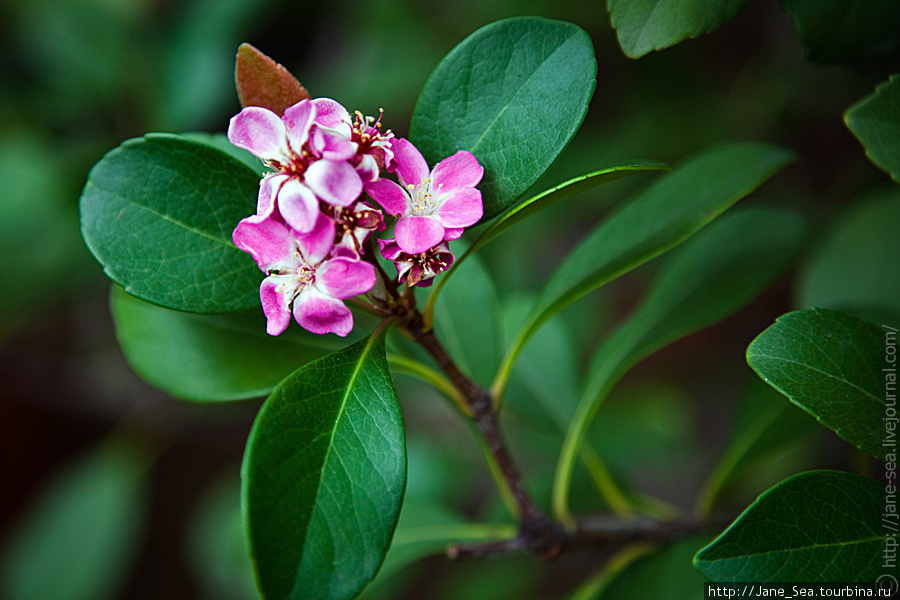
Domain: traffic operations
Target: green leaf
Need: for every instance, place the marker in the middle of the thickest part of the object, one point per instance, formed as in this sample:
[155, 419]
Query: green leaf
[766, 425]
[513, 93]
[853, 269]
[81, 536]
[719, 271]
[220, 142]
[663, 216]
[535, 204]
[209, 358]
[324, 474]
[467, 322]
[836, 31]
[829, 363]
[158, 213]
[815, 526]
[217, 547]
[671, 565]
[875, 121]
[647, 25]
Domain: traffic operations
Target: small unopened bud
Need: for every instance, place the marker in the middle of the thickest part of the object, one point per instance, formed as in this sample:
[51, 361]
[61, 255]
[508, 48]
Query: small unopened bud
[260, 81]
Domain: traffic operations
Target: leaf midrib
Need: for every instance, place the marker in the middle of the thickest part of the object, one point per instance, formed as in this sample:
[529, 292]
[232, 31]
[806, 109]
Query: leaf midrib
[797, 548]
[219, 240]
[812, 368]
[341, 412]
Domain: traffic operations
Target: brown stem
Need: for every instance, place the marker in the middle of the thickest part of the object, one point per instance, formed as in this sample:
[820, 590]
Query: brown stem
[536, 532]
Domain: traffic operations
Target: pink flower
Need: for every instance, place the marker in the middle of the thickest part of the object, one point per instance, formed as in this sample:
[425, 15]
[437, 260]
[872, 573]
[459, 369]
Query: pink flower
[353, 225]
[300, 272]
[417, 269]
[310, 154]
[433, 206]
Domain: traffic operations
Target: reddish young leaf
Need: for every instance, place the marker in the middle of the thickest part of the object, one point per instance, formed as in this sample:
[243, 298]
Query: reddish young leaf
[260, 81]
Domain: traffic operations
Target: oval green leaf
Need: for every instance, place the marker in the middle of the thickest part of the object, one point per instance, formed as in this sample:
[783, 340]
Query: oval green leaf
[647, 25]
[875, 121]
[829, 363]
[158, 213]
[815, 526]
[83, 533]
[513, 93]
[670, 211]
[209, 358]
[323, 476]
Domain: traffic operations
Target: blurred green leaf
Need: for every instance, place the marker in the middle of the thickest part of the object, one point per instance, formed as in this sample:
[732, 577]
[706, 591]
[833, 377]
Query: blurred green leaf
[540, 202]
[719, 271]
[670, 211]
[513, 93]
[217, 547]
[467, 322]
[834, 31]
[199, 78]
[38, 226]
[854, 268]
[670, 567]
[324, 473]
[209, 358]
[829, 363]
[158, 213]
[647, 25]
[875, 121]
[766, 425]
[815, 526]
[80, 538]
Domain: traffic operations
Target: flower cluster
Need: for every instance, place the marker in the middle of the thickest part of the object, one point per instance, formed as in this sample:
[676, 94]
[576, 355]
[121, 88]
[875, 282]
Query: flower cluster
[311, 223]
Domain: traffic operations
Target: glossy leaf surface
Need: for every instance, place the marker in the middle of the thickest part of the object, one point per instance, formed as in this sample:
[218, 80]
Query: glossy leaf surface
[829, 363]
[323, 476]
[875, 121]
[513, 93]
[815, 526]
[210, 358]
[158, 213]
[647, 25]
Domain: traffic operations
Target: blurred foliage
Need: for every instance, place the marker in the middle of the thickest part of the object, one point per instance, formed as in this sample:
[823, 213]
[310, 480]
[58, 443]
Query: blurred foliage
[80, 76]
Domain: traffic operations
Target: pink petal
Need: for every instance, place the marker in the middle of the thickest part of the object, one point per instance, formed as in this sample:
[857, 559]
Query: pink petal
[275, 306]
[408, 162]
[389, 195]
[389, 248]
[330, 113]
[317, 243]
[418, 234]
[459, 170]
[460, 208]
[332, 146]
[297, 121]
[260, 131]
[451, 234]
[268, 190]
[320, 314]
[335, 182]
[344, 277]
[367, 168]
[268, 241]
[298, 205]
